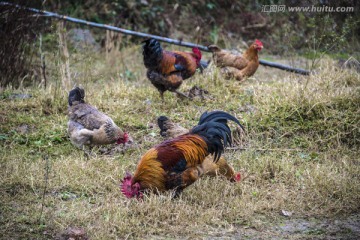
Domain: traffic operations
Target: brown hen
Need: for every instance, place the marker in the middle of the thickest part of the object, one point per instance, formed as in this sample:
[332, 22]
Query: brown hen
[237, 66]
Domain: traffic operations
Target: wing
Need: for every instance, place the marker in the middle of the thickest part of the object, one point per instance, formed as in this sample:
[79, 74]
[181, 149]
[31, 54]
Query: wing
[186, 64]
[180, 170]
[228, 59]
[181, 61]
[171, 158]
[167, 64]
[189, 147]
[250, 69]
[178, 62]
[88, 116]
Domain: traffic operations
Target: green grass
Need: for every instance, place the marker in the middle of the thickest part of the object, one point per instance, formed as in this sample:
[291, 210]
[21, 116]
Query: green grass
[300, 153]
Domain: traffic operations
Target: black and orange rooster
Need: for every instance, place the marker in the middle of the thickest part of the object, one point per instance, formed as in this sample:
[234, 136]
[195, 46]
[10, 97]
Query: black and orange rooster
[169, 129]
[165, 69]
[177, 163]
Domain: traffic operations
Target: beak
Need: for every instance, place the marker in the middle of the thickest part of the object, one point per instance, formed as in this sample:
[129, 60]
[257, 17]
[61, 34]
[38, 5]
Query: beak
[260, 47]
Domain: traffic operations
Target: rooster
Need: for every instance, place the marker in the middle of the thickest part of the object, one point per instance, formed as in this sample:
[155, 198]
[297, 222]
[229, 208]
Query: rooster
[165, 69]
[177, 163]
[169, 129]
[88, 126]
[237, 66]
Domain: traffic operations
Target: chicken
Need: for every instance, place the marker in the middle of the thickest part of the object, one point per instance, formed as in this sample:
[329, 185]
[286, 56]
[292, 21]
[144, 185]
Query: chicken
[169, 129]
[165, 69]
[177, 163]
[237, 66]
[89, 126]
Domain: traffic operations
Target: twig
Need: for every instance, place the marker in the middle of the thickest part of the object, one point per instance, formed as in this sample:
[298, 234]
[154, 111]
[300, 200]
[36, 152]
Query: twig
[42, 60]
[65, 66]
[237, 148]
[264, 149]
[46, 178]
[145, 35]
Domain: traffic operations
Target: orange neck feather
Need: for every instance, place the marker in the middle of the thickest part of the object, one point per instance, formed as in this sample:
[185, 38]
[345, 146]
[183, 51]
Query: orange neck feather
[251, 54]
[193, 147]
[149, 172]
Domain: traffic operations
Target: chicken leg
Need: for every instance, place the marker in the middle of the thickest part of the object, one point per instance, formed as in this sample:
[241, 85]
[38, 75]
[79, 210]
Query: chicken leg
[221, 168]
[179, 181]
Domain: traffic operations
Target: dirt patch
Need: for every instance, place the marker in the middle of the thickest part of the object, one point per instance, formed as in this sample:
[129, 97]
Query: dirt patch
[346, 228]
[73, 233]
[340, 228]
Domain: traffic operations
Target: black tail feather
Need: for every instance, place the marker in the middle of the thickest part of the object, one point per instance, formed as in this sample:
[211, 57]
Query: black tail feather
[215, 131]
[152, 53]
[218, 116]
[76, 95]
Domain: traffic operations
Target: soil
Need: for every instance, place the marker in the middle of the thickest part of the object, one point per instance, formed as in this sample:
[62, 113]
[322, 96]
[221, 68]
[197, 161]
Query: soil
[343, 228]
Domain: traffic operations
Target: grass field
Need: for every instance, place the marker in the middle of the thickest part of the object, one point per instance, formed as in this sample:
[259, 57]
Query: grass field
[300, 154]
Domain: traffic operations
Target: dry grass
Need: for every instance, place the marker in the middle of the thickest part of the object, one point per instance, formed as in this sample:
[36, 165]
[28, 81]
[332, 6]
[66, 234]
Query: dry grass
[301, 154]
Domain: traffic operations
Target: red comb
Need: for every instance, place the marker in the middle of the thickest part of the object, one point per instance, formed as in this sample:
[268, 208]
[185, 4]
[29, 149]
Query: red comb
[124, 139]
[237, 177]
[195, 49]
[258, 42]
[197, 52]
[126, 136]
[125, 185]
[129, 189]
